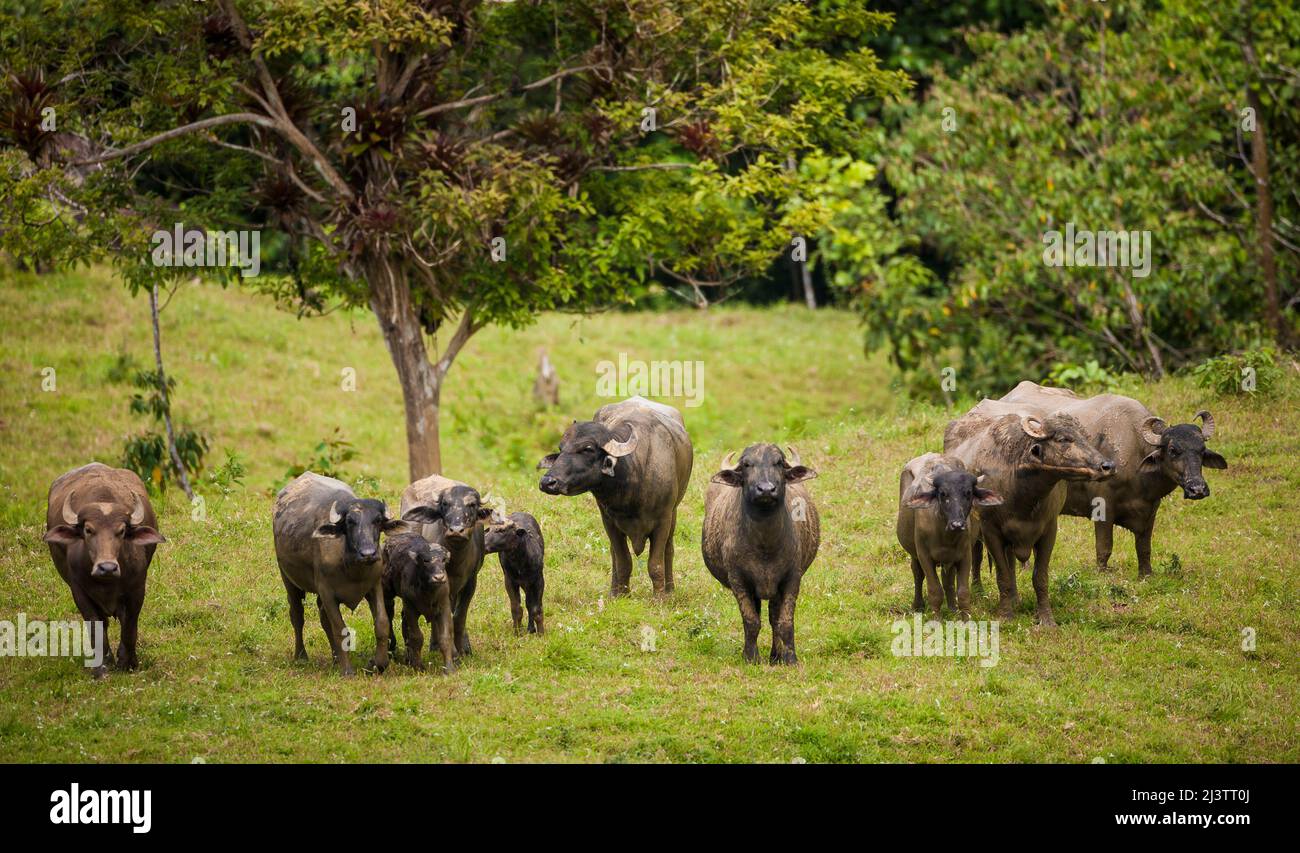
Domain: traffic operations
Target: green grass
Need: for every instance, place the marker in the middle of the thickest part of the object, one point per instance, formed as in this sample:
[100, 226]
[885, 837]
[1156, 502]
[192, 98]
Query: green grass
[1138, 671]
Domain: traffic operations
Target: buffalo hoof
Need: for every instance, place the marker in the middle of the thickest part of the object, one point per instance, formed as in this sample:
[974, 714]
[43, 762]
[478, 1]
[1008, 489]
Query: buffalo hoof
[1045, 619]
[346, 670]
[414, 662]
[377, 666]
[99, 673]
[301, 654]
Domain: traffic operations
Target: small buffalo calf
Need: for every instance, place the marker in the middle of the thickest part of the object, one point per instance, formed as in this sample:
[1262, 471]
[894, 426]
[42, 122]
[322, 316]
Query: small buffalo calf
[415, 570]
[935, 496]
[517, 542]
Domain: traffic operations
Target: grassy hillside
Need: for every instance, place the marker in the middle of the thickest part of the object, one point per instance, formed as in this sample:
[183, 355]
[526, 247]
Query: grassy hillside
[1138, 671]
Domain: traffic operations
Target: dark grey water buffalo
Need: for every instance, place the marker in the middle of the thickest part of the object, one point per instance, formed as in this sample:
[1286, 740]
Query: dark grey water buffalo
[1026, 455]
[935, 497]
[517, 542]
[453, 519]
[102, 533]
[635, 458]
[760, 535]
[415, 570]
[327, 542]
[1153, 459]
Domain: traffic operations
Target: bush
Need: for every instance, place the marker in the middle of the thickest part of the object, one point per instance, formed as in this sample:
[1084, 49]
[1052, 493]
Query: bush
[1085, 379]
[1255, 372]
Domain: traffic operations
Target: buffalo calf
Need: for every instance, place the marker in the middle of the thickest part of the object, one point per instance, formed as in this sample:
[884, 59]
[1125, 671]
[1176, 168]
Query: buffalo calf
[415, 570]
[935, 496]
[517, 542]
[102, 533]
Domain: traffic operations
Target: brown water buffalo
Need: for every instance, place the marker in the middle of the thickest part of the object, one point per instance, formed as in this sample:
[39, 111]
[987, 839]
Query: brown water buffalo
[517, 542]
[935, 497]
[102, 533]
[415, 570]
[453, 520]
[760, 535]
[327, 543]
[635, 458]
[1152, 460]
[1026, 455]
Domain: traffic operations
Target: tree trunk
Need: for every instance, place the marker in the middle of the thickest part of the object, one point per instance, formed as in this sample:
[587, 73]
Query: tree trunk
[181, 473]
[1263, 192]
[421, 381]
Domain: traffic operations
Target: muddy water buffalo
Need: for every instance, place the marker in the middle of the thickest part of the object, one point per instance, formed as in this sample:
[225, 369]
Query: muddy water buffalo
[415, 570]
[935, 497]
[1026, 455]
[517, 542]
[635, 458]
[1153, 459]
[102, 533]
[453, 512]
[327, 543]
[760, 535]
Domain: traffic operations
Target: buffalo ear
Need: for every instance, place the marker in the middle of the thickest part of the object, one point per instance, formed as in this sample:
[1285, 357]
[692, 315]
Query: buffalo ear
[422, 515]
[62, 534]
[799, 473]
[143, 535]
[485, 512]
[1210, 459]
[1151, 463]
[608, 464]
[1036, 450]
[728, 477]
[327, 531]
[987, 497]
[547, 461]
[520, 532]
[392, 525]
[919, 500]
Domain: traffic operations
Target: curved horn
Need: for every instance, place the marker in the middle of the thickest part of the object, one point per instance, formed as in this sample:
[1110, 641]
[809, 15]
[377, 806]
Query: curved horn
[1152, 429]
[1032, 426]
[137, 512]
[1207, 423]
[334, 513]
[69, 514]
[617, 448]
[726, 461]
[794, 456]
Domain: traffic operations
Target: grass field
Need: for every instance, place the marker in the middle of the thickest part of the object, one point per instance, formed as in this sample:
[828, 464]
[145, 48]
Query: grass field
[1138, 671]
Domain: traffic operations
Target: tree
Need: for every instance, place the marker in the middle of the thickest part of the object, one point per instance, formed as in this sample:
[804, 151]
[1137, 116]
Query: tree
[447, 163]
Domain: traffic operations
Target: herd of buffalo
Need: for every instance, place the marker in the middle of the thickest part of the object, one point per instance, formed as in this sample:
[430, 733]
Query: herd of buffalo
[1009, 469]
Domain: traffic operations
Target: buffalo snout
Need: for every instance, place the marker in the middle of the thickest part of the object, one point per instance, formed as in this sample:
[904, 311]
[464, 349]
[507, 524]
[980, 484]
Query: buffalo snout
[957, 525]
[1196, 491]
[549, 485]
[106, 569]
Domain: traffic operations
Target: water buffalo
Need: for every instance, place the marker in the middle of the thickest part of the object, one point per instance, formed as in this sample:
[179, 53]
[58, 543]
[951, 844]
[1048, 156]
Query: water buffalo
[517, 542]
[760, 535]
[327, 542]
[635, 458]
[1026, 454]
[102, 533]
[935, 496]
[454, 512]
[1153, 459]
[415, 570]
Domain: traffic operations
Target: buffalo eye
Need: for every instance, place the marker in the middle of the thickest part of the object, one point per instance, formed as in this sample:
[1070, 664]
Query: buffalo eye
[1060, 439]
[1174, 451]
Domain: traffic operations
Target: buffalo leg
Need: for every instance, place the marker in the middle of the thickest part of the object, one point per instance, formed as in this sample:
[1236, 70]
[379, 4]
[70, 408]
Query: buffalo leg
[1042, 558]
[933, 589]
[442, 631]
[332, 621]
[411, 636]
[785, 622]
[773, 618]
[461, 615]
[295, 596]
[977, 557]
[534, 601]
[516, 611]
[949, 586]
[621, 573]
[918, 578]
[91, 614]
[1142, 539]
[963, 587]
[1105, 539]
[390, 607]
[383, 628]
[668, 553]
[1005, 568]
[129, 618]
[659, 539]
[749, 615]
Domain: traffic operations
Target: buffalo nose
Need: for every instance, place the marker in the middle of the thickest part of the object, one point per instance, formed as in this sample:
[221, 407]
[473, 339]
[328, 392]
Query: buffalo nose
[956, 525]
[367, 553]
[106, 568]
[766, 490]
[1108, 467]
[549, 484]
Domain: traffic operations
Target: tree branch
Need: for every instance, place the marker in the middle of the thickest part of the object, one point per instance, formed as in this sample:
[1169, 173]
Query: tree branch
[202, 124]
[486, 99]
